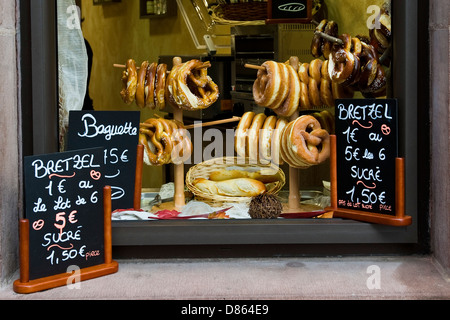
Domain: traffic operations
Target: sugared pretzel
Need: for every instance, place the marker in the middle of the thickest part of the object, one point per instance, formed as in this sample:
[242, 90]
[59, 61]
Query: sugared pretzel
[129, 82]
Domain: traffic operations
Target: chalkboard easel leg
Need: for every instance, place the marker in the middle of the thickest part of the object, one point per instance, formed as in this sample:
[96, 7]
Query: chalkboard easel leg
[24, 250]
[107, 223]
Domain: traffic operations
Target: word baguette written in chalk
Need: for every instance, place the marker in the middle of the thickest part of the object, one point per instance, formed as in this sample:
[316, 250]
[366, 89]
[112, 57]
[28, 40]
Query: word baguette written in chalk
[92, 129]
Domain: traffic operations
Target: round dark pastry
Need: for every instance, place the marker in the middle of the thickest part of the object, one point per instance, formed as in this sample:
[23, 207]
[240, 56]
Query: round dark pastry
[265, 206]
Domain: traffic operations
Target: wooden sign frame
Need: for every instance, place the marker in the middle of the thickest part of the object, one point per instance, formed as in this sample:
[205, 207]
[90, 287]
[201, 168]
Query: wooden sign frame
[25, 285]
[270, 19]
[398, 220]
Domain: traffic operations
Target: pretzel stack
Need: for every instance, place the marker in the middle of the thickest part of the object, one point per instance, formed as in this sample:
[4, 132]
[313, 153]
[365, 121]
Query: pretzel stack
[300, 143]
[186, 86]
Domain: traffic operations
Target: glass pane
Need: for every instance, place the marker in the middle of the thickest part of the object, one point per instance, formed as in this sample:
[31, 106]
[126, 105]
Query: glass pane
[231, 79]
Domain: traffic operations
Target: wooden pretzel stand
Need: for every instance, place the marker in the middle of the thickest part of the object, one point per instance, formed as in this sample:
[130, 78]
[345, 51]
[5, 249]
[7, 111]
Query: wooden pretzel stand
[25, 285]
[398, 220]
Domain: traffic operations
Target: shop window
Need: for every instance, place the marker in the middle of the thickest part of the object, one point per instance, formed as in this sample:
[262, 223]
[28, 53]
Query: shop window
[230, 69]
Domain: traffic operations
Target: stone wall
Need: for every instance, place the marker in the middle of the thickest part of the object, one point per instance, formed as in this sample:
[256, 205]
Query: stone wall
[9, 145]
[440, 133]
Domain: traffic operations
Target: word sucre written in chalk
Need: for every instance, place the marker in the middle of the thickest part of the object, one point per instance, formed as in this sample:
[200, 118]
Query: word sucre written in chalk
[64, 207]
[91, 129]
[366, 150]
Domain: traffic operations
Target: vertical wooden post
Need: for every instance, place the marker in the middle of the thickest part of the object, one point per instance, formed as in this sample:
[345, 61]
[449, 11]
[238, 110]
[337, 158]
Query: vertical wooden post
[107, 223]
[179, 199]
[178, 196]
[24, 234]
[400, 187]
[138, 177]
[294, 173]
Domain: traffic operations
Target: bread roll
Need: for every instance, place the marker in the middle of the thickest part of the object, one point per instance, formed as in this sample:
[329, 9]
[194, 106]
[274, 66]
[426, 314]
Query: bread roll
[224, 174]
[241, 187]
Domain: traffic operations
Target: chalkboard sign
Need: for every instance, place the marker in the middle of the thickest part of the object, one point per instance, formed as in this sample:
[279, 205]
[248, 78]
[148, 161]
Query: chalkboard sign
[64, 206]
[118, 133]
[285, 11]
[366, 149]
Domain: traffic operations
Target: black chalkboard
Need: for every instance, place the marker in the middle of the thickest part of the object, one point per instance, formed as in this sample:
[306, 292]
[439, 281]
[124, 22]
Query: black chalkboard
[118, 133]
[289, 10]
[64, 206]
[366, 148]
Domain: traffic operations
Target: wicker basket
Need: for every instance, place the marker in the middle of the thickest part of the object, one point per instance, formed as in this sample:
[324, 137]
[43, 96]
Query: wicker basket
[203, 170]
[239, 13]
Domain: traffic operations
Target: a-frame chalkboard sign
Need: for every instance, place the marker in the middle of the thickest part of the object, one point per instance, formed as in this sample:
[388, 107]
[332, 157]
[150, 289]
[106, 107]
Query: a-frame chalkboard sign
[67, 224]
[367, 175]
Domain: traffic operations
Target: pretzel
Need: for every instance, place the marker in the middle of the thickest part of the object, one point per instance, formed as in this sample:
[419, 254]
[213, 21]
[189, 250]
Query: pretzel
[160, 86]
[314, 92]
[253, 136]
[265, 139]
[189, 89]
[326, 94]
[241, 133]
[268, 88]
[287, 154]
[304, 96]
[308, 141]
[303, 72]
[331, 29]
[319, 45]
[290, 104]
[165, 141]
[275, 145]
[317, 41]
[314, 69]
[140, 87]
[150, 86]
[372, 82]
[342, 61]
[129, 82]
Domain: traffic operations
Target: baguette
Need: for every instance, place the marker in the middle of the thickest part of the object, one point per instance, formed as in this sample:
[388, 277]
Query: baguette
[240, 187]
[223, 174]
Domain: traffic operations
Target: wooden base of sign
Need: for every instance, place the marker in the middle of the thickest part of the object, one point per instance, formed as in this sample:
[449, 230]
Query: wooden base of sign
[398, 220]
[25, 285]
